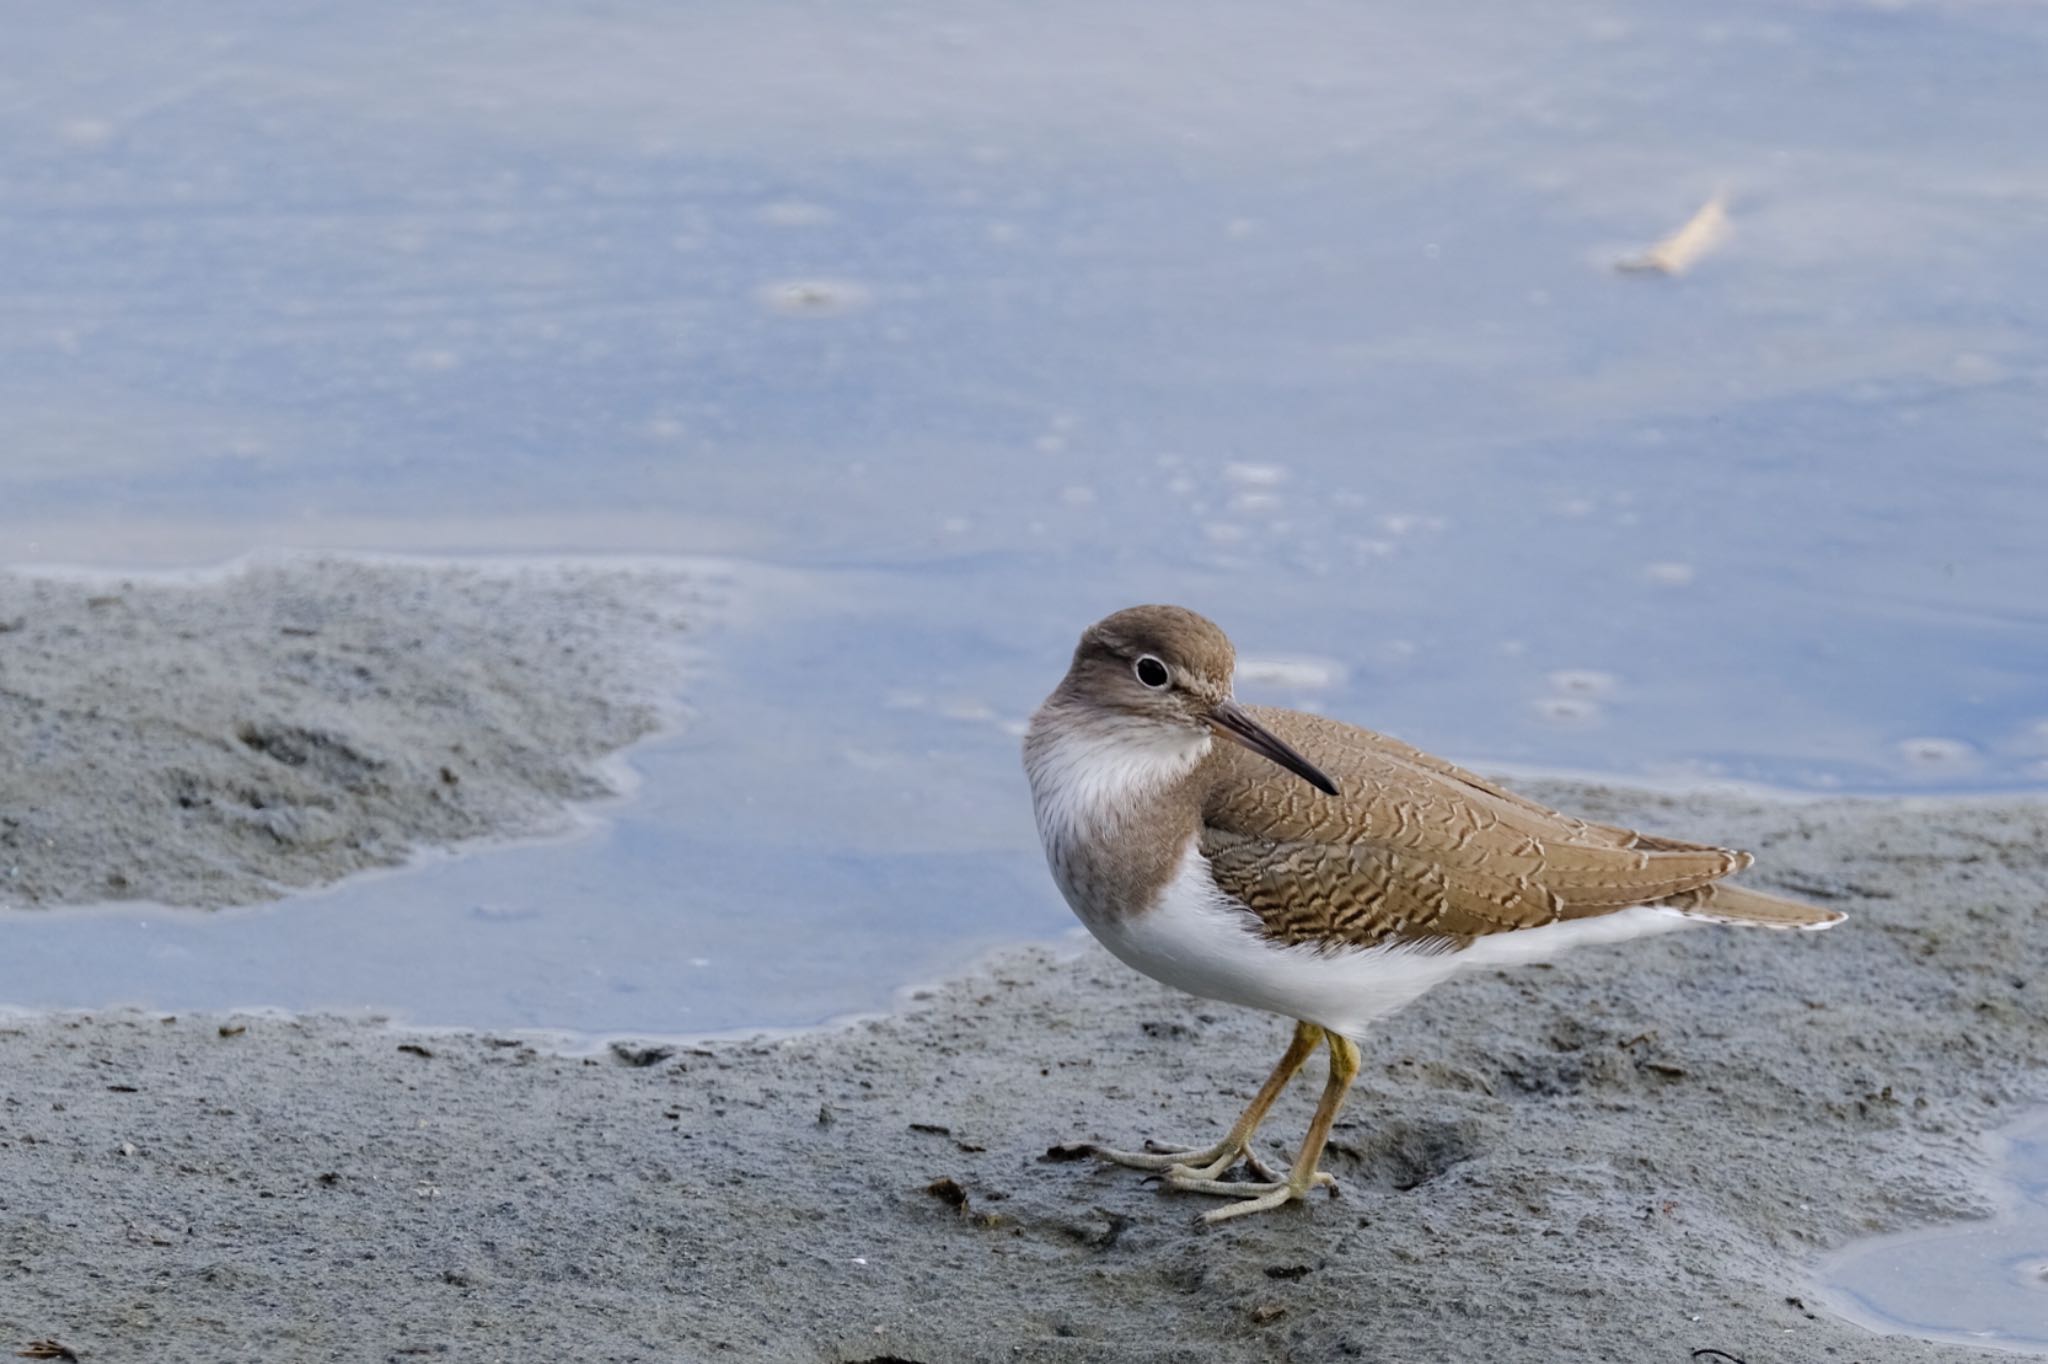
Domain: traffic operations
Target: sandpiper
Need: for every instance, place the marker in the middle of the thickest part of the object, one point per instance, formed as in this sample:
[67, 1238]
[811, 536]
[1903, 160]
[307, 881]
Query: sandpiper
[1316, 870]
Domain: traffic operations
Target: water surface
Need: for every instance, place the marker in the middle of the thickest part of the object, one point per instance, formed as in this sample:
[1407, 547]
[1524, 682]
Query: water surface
[1981, 1283]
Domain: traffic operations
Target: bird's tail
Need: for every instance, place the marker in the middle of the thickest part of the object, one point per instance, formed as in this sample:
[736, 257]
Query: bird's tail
[1725, 904]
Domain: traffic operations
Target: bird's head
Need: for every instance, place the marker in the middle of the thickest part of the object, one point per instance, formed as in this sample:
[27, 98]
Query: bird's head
[1166, 668]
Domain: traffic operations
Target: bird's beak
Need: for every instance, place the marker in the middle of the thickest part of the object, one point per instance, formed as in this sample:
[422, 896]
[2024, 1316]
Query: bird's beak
[1231, 722]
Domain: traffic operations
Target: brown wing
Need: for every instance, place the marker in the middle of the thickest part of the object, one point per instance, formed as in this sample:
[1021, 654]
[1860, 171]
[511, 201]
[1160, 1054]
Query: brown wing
[1414, 849]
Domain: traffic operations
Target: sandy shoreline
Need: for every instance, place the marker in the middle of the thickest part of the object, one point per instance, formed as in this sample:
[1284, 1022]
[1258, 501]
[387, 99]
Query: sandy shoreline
[1634, 1154]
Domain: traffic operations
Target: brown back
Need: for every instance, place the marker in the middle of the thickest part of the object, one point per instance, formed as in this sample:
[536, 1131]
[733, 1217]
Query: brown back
[1415, 849]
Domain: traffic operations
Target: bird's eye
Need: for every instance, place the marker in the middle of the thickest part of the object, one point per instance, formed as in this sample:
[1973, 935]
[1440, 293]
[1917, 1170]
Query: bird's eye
[1151, 671]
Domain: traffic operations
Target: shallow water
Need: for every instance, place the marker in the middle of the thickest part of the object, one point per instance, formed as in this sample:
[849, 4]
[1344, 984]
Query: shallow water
[1983, 1283]
[985, 323]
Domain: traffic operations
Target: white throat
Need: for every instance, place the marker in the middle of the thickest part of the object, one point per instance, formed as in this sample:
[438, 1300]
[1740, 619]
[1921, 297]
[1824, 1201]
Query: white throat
[1086, 774]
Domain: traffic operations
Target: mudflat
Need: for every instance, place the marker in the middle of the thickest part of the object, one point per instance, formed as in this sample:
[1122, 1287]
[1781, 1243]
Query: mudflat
[1635, 1154]
[223, 738]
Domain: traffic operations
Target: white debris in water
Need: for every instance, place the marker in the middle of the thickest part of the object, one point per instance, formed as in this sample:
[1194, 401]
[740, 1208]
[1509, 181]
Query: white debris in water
[814, 297]
[1582, 682]
[1302, 671]
[1669, 574]
[1256, 475]
[1931, 754]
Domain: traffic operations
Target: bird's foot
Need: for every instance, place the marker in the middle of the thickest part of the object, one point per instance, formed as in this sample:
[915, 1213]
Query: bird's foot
[1261, 1197]
[1198, 1163]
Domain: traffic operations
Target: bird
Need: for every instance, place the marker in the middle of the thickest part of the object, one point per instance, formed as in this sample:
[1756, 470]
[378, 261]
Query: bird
[1295, 864]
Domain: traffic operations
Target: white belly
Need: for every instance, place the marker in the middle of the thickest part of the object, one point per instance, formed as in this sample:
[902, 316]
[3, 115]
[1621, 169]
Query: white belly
[1198, 940]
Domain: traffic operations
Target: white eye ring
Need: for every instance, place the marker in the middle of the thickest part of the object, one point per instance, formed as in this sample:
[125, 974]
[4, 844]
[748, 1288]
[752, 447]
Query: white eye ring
[1151, 672]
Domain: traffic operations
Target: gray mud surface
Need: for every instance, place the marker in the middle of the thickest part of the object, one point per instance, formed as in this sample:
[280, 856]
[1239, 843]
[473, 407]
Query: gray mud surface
[219, 741]
[1634, 1155]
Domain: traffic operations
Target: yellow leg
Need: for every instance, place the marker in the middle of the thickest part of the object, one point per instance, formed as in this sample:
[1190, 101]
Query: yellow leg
[1344, 1064]
[1210, 1163]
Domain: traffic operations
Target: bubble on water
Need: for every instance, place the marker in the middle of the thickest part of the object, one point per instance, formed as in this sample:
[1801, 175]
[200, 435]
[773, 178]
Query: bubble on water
[1933, 754]
[1304, 672]
[1969, 367]
[86, 134]
[814, 297]
[795, 213]
[1581, 682]
[1567, 712]
[1256, 475]
[1669, 574]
